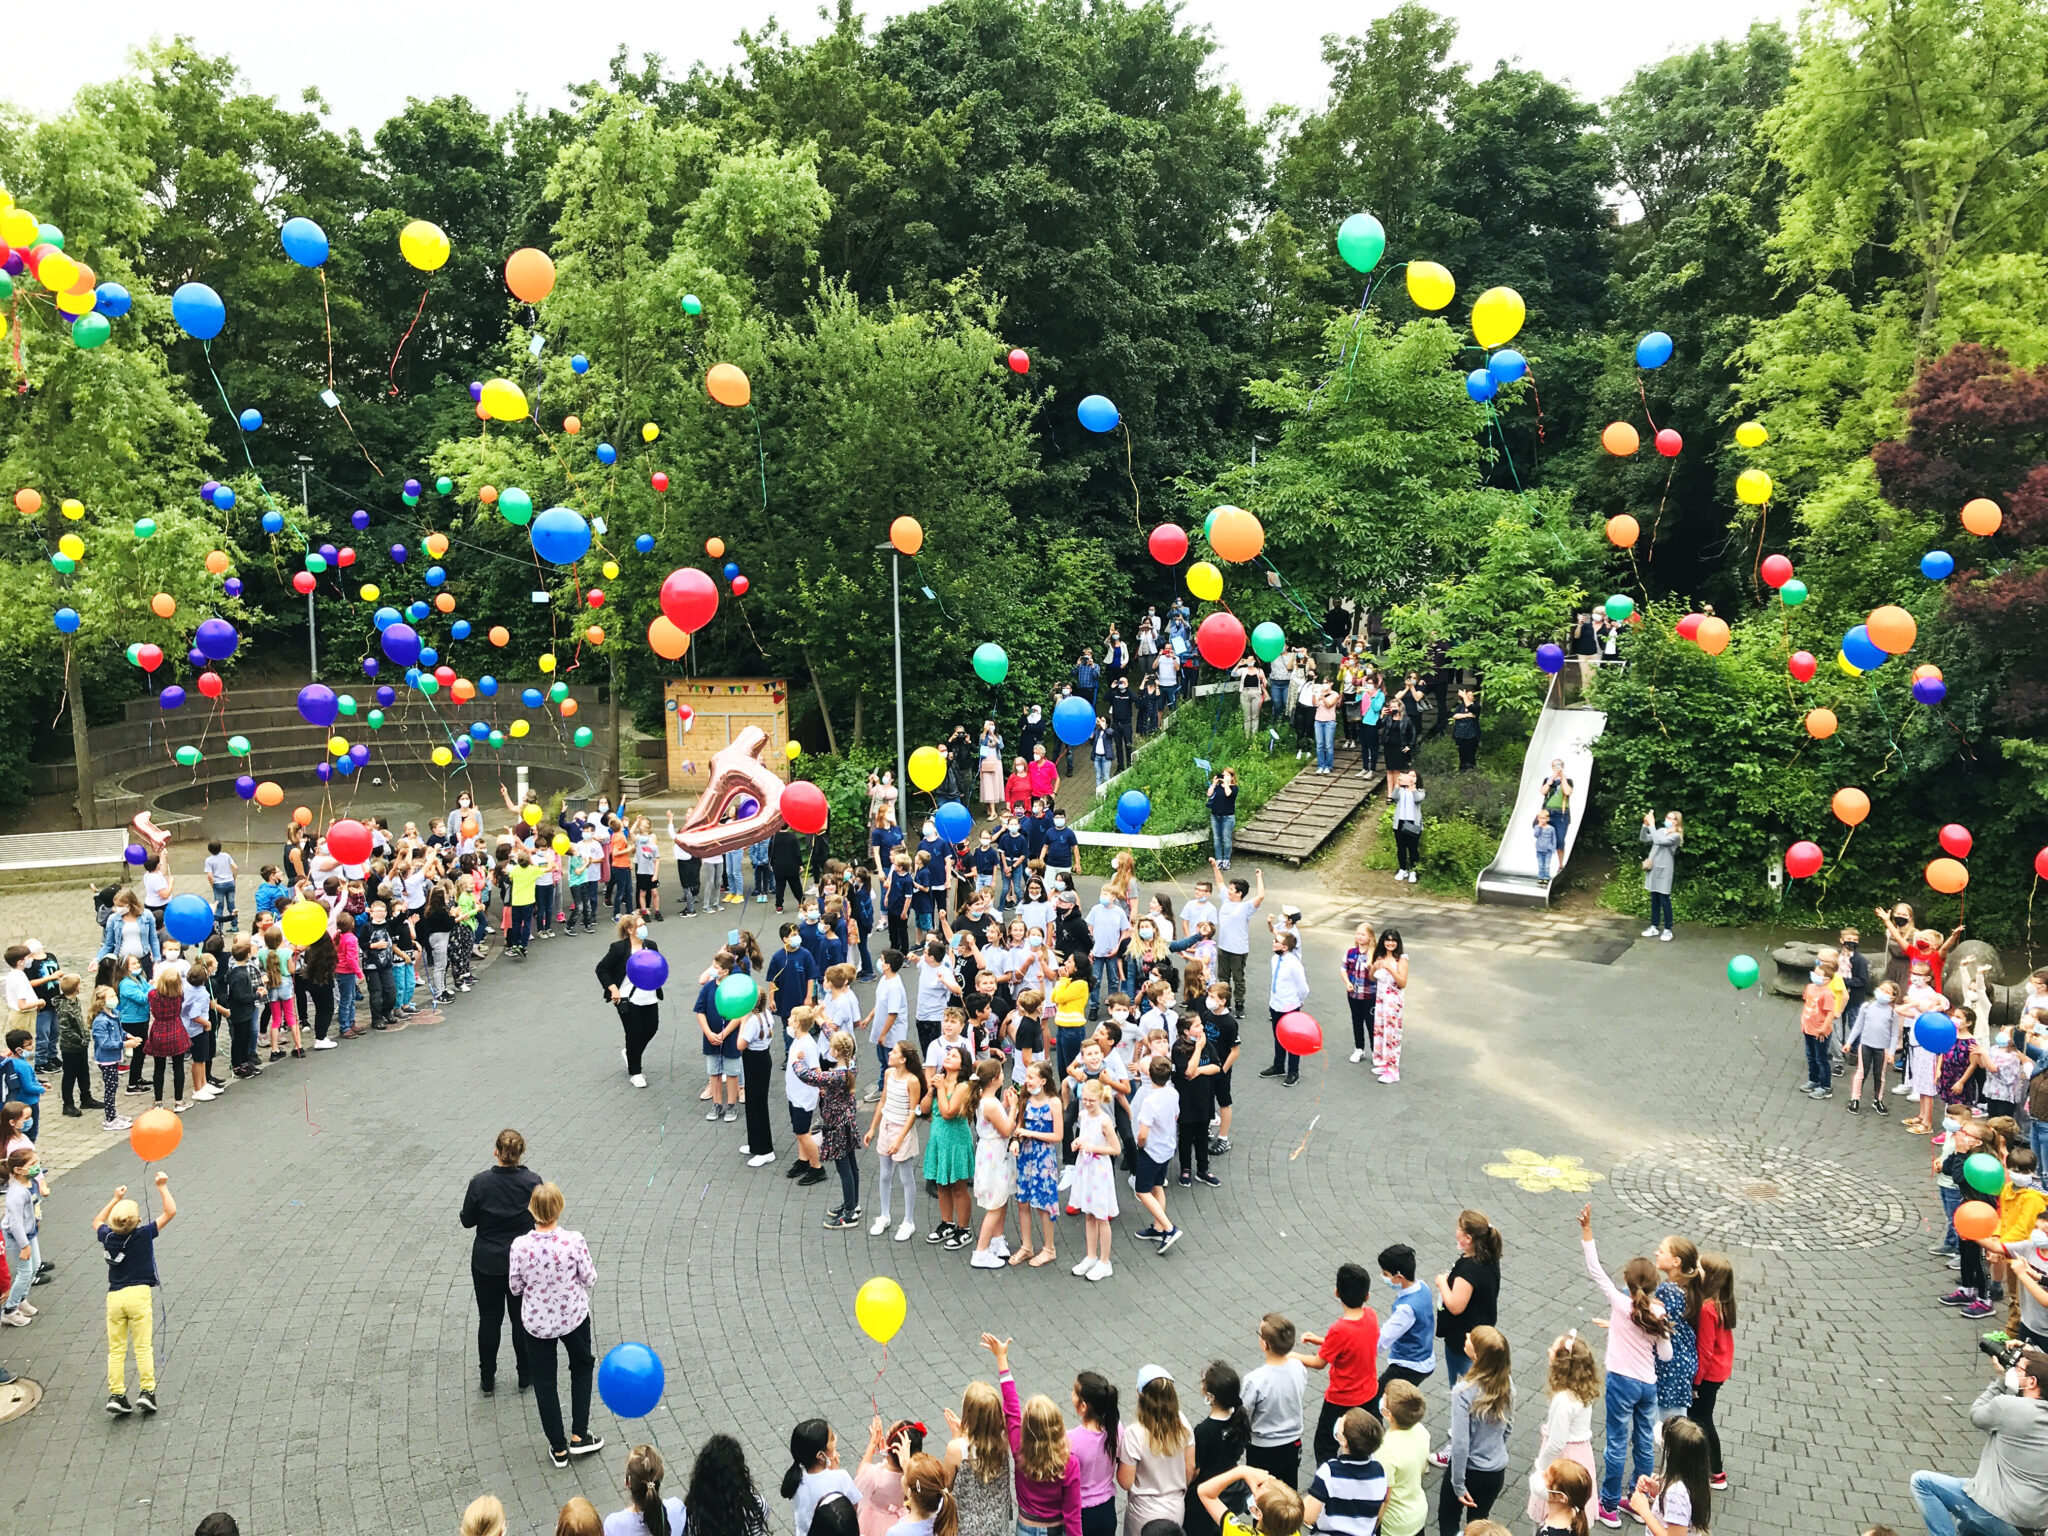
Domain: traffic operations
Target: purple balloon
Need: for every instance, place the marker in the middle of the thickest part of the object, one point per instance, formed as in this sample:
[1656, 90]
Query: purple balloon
[360, 753]
[398, 553]
[748, 806]
[369, 666]
[318, 705]
[322, 772]
[1930, 691]
[646, 969]
[232, 586]
[196, 656]
[329, 553]
[386, 696]
[401, 643]
[412, 487]
[206, 490]
[462, 746]
[360, 518]
[245, 787]
[1550, 658]
[135, 854]
[215, 639]
[172, 697]
[476, 393]
[16, 266]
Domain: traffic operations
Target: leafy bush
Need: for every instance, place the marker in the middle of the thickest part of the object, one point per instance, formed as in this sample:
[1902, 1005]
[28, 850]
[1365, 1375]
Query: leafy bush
[1455, 848]
[843, 776]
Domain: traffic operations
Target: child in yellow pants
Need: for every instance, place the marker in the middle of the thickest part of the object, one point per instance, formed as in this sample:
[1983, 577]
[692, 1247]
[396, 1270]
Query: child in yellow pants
[130, 1243]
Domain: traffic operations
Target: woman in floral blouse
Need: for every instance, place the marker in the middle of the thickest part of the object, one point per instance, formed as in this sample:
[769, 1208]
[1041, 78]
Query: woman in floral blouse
[552, 1275]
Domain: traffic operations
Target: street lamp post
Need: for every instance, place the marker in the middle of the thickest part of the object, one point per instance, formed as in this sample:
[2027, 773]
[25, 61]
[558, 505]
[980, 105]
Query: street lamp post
[312, 632]
[896, 613]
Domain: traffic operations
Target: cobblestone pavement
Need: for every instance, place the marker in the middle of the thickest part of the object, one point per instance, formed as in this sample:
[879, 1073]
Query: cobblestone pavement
[316, 1327]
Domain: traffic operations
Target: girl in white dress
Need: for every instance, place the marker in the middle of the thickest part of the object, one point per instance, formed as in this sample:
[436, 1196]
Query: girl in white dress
[1094, 1192]
[995, 1165]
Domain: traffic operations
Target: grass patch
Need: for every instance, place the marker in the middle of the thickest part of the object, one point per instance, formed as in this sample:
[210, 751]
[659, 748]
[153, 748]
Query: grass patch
[1463, 814]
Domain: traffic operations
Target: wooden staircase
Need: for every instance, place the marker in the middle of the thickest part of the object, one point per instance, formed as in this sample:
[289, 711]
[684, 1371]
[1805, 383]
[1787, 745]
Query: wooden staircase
[1303, 816]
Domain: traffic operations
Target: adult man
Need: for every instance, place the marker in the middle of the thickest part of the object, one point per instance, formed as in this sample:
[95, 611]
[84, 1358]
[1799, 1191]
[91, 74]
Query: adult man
[495, 1204]
[1086, 675]
[1109, 928]
[1282, 684]
[1060, 843]
[1169, 678]
[2010, 1490]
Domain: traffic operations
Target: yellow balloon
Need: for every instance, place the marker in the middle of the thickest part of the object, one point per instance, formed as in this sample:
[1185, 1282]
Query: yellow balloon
[6, 199]
[72, 507]
[560, 844]
[304, 923]
[1497, 316]
[57, 272]
[18, 228]
[3, 327]
[71, 546]
[1753, 487]
[927, 767]
[338, 745]
[519, 728]
[75, 303]
[879, 1308]
[793, 751]
[531, 815]
[649, 432]
[611, 570]
[503, 400]
[370, 592]
[1431, 286]
[443, 757]
[1751, 434]
[424, 245]
[1205, 581]
[547, 662]
[1849, 668]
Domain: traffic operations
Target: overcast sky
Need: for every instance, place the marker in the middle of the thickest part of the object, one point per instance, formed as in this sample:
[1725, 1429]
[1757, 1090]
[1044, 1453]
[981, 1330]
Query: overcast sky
[369, 56]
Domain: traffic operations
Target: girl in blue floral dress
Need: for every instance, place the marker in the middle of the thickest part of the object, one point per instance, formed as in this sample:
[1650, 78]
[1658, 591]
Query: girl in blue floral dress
[1038, 1164]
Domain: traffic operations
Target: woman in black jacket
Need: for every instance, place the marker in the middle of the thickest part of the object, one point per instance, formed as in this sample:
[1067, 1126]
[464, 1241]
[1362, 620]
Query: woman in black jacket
[496, 1206]
[639, 1009]
[1397, 741]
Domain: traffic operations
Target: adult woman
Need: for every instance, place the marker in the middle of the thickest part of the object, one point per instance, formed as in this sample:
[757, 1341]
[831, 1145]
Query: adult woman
[495, 1205]
[1251, 693]
[881, 793]
[1307, 690]
[722, 1499]
[1397, 741]
[1468, 1296]
[990, 750]
[1017, 788]
[1151, 953]
[130, 930]
[884, 838]
[1222, 815]
[960, 755]
[1660, 867]
[551, 1274]
[1390, 981]
[1900, 925]
[1148, 702]
[639, 1010]
[1372, 704]
[1557, 791]
[1407, 798]
[1465, 730]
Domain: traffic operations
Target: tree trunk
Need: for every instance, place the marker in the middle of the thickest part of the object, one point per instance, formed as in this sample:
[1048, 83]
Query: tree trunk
[613, 786]
[81, 746]
[859, 725]
[824, 710]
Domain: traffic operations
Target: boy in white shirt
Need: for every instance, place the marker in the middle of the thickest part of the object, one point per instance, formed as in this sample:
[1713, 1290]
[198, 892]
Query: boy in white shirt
[1156, 1128]
[220, 872]
[889, 1020]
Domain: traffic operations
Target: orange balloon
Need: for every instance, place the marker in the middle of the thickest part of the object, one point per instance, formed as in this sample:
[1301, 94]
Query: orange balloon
[665, 639]
[462, 690]
[572, 424]
[1980, 516]
[500, 635]
[1620, 439]
[487, 494]
[1892, 629]
[1947, 876]
[1850, 805]
[270, 792]
[1712, 635]
[715, 548]
[1236, 535]
[1623, 531]
[217, 561]
[445, 602]
[481, 413]
[568, 707]
[530, 275]
[86, 281]
[28, 501]
[594, 634]
[1821, 723]
[907, 534]
[1975, 1221]
[437, 544]
[728, 386]
[163, 605]
[302, 816]
[1925, 670]
[155, 1135]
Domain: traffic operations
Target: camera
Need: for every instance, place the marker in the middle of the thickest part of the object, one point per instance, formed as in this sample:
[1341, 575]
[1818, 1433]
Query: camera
[2004, 1351]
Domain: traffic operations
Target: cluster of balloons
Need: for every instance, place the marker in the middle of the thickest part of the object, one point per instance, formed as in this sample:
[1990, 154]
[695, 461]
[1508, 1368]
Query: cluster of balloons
[87, 306]
[1133, 810]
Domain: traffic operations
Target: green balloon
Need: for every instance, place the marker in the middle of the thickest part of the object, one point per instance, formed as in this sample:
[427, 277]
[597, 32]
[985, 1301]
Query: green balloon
[1268, 641]
[496, 738]
[1984, 1173]
[515, 506]
[583, 736]
[558, 692]
[1742, 972]
[991, 662]
[135, 654]
[345, 703]
[64, 563]
[238, 746]
[376, 719]
[1620, 606]
[146, 529]
[316, 564]
[444, 485]
[429, 684]
[737, 995]
[89, 330]
[1793, 593]
[692, 305]
[1361, 241]
[1209, 521]
[188, 757]
[408, 498]
[6, 286]
[49, 234]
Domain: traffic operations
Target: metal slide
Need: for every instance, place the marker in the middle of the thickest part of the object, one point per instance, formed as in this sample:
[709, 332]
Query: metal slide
[1564, 730]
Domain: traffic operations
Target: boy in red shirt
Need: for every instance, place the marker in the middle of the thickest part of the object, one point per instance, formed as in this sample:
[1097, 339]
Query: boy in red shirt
[1350, 1353]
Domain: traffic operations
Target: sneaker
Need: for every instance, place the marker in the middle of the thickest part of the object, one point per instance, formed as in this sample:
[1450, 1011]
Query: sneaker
[1955, 1262]
[1823, 1093]
[139, 1088]
[713, 1112]
[1979, 1308]
[1855, 1106]
[1081, 1270]
[325, 1045]
[1606, 1514]
[146, 1400]
[811, 1176]
[559, 1458]
[1218, 1145]
[274, 1056]
[1718, 1481]
[205, 1095]
[1209, 1179]
[794, 1169]
[180, 1108]
[1187, 1181]
[638, 1079]
[1938, 1250]
[1169, 1239]
[1102, 1271]
[14, 1319]
[939, 1233]
[731, 1114]
[1882, 1106]
[1665, 935]
[1357, 1056]
[878, 1226]
[985, 1258]
[1443, 1459]
[1961, 1296]
[908, 1230]
[840, 1222]
[118, 1123]
[956, 1239]
[1648, 933]
[119, 1404]
[1273, 1072]
[1290, 1081]
[762, 1160]
[586, 1447]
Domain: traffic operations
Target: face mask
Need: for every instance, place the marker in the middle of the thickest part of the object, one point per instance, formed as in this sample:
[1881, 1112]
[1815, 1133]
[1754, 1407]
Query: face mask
[1145, 934]
[1059, 821]
[1120, 1014]
[791, 942]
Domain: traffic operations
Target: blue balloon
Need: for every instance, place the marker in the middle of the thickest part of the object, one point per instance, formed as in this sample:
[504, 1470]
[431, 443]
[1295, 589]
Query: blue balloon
[560, 536]
[607, 454]
[429, 657]
[224, 497]
[412, 677]
[531, 698]
[245, 786]
[630, 1377]
[487, 686]
[67, 620]
[646, 969]
[216, 639]
[385, 617]
[198, 311]
[345, 765]
[401, 642]
[1507, 365]
[112, 300]
[415, 611]
[1073, 720]
[360, 519]
[1550, 658]
[1937, 565]
[459, 630]
[251, 420]
[398, 554]
[731, 570]
[189, 919]
[386, 696]
[273, 522]
[304, 241]
[955, 822]
[318, 705]
[1862, 653]
[172, 697]
[580, 363]
[434, 576]
[1481, 385]
[1935, 1033]
[1653, 351]
[1097, 413]
[232, 586]
[480, 730]
[645, 543]
[136, 854]
[1133, 806]
[1929, 691]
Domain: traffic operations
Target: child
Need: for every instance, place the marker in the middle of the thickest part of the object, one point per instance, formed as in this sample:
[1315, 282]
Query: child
[1922, 1064]
[1359, 987]
[73, 1045]
[1403, 1454]
[1094, 1442]
[1275, 1508]
[814, 1473]
[1408, 1341]
[880, 1481]
[1573, 1381]
[928, 1510]
[995, 1171]
[1972, 1295]
[949, 1150]
[1566, 1489]
[894, 1132]
[1817, 1025]
[1638, 1333]
[275, 988]
[803, 1057]
[1677, 1500]
[1348, 1491]
[21, 1229]
[1546, 845]
[2020, 1204]
[22, 1084]
[378, 952]
[1870, 1037]
[1350, 1353]
[1710, 1307]
[168, 1039]
[348, 979]
[111, 1042]
[1272, 1398]
[1219, 1442]
[238, 986]
[1195, 1070]
[835, 1114]
[1482, 1407]
[195, 1007]
[130, 1243]
[1678, 1261]
[1094, 1191]
[1156, 1125]
[220, 870]
[1048, 1473]
[1039, 1136]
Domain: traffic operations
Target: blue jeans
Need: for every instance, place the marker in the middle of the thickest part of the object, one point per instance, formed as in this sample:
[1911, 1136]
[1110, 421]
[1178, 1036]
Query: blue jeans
[1166, 693]
[1279, 688]
[345, 1001]
[732, 873]
[46, 1039]
[1820, 1069]
[1660, 909]
[224, 901]
[1542, 863]
[1013, 885]
[1103, 766]
[24, 1273]
[1222, 830]
[622, 892]
[2037, 1134]
[1326, 744]
[1631, 1410]
[1560, 822]
[1456, 1363]
[1067, 1040]
[1951, 1197]
[1949, 1511]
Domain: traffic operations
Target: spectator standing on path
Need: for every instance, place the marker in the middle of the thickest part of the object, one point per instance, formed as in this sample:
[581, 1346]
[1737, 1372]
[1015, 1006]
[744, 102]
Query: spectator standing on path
[551, 1274]
[2009, 1491]
[1282, 683]
[1288, 993]
[1087, 676]
[1223, 816]
[1660, 869]
[1407, 800]
[990, 749]
[1326, 701]
[1251, 693]
[1167, 669]
[1397, 741]
[1557, 792]
[1468, 1295]
[496, 1205]
[639, 1008]
[1234, 930]
[130, 1244]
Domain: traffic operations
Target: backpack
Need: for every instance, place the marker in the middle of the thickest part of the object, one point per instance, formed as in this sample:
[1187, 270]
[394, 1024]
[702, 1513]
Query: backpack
[2037, 1095]
[103, 905]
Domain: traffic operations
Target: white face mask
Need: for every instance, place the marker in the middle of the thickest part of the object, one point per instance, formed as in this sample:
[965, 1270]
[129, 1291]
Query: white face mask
[1120, 1014]
[1145, 933]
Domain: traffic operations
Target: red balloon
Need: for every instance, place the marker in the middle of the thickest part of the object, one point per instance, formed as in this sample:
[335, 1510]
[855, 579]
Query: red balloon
[1669, 443]
[1220, 639]
[659, 481]
[302, 582]
[688, 599]
[740, 585]
[1802, 859]
[1802, 665]
[1956, 840]
[804, 808]
[2041, 863]
[1776, 570]
[594, 597]
[210, 684]
[1019, 360]
[150, 657]
[349, 841]
[346, 558]
[444, 675]
[1299, 1034]
[1689, 626]
[1169, 543]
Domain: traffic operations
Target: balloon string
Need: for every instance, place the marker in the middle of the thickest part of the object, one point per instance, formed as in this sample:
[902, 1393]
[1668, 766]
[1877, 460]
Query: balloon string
[2036, 886]
[1322, 1077]
[14, 324]
[390, 373]
[1663, 497]
[762, 454]
[327, 318]
[1821, 902]
[877, 1382]
[1131, 474]
[1643, 395]
[1288, 591]
[1537, 395]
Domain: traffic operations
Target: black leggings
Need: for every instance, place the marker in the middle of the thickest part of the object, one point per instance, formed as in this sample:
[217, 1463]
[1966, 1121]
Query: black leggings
[547, 1400]
[493, 1302]
[1361, 1023]
[178, 1080]
[322, 998]
[793, 883]
[1408, 845]
[757, 1070]
[641, 1021]
[1484, 1488]
[1702, 1413]
[1194, 1144]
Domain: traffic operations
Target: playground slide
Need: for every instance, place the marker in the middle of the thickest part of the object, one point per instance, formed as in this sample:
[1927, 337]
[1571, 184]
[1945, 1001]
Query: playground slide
[1562, 731]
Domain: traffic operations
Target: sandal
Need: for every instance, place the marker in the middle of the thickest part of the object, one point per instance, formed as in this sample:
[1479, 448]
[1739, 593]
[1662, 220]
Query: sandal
[1914, 1128]
[1045, 1256]
[1020, 1256]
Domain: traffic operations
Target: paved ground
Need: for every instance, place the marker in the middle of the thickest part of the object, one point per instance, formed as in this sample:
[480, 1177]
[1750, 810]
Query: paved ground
[316, 1327]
